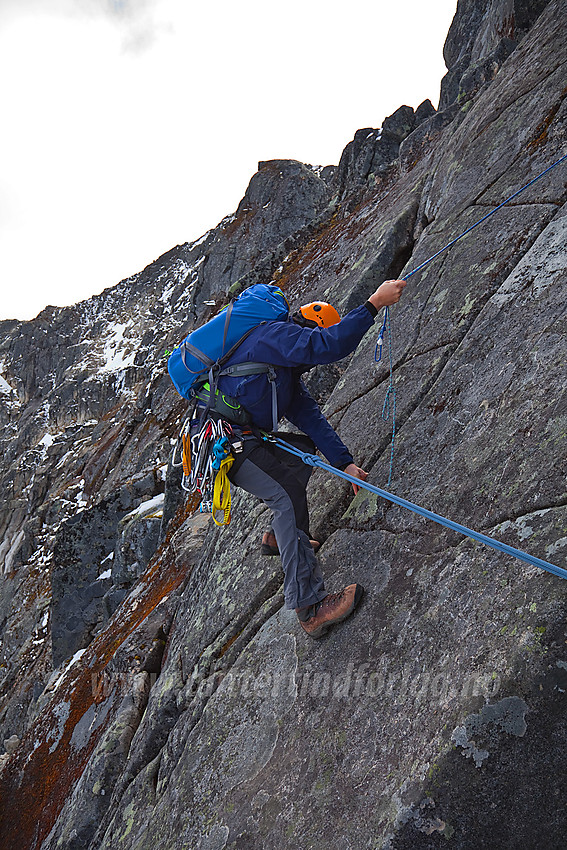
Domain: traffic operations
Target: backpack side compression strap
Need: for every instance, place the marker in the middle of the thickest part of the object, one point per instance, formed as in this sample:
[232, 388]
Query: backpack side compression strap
[200, 355]
[207, 362]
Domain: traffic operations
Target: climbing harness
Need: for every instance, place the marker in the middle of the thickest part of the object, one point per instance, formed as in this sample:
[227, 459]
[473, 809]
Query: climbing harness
[313, 460]
[391, 392]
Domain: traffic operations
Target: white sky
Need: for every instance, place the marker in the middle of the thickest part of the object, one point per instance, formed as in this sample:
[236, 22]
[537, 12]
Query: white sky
[131, 126]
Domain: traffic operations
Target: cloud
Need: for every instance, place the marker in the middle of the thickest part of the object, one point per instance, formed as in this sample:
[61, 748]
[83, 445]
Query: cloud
[140, 22]
[120, 140]
[112, 8]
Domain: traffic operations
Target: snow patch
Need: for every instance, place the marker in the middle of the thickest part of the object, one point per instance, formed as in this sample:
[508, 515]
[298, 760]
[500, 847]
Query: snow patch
[164, 297]
[64, 459]
[115, 357]
[58, 676]
[13, 546]
[203, 238]
[62, 712]
[46, 441]
[155, 504]
[5, 387]
[80, 497]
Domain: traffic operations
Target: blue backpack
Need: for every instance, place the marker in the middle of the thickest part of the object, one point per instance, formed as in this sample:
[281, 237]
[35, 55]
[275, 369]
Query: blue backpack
[197, 364]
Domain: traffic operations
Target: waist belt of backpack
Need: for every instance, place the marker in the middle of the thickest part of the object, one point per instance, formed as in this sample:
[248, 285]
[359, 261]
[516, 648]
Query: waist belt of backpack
[241, 370]
[228, 407]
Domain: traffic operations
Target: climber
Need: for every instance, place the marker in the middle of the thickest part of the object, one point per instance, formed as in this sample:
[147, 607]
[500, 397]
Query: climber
[316, 335]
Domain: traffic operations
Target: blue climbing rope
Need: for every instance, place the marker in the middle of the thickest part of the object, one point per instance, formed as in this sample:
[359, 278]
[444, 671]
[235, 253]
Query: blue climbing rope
[390, 399]
[481, 220]
[389, 406]
[313, 460]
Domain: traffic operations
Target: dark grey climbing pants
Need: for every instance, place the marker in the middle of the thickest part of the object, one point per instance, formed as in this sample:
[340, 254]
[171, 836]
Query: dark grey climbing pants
[279, 480]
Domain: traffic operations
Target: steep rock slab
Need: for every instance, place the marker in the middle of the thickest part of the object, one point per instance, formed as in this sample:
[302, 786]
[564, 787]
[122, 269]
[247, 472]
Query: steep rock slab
[447, 626]
[86, 702]
[480, 38]
[83, 550]
[293, 746]
[435, 603]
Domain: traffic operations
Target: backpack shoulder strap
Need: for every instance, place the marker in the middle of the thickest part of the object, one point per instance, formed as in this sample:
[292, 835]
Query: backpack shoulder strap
[226, 324]
[226, 357]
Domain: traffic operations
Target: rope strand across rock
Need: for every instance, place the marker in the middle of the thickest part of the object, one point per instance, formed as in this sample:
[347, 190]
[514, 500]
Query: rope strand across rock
[313, 460]
[391, 391]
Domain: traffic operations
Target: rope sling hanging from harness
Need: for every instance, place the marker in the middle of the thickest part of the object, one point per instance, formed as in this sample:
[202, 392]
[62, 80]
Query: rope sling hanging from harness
[221, 493]
[389, 407]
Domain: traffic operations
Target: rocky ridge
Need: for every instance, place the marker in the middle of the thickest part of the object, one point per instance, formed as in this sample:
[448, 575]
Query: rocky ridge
[167, 695]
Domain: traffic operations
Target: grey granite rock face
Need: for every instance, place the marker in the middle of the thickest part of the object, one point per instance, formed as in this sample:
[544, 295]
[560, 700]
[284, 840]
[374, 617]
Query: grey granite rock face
[480, 39]
[198, 714]
[283, 197]
[374, 152]
[86, 565]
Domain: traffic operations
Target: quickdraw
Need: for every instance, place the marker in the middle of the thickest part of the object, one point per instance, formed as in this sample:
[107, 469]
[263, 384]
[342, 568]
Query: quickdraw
[205, 454]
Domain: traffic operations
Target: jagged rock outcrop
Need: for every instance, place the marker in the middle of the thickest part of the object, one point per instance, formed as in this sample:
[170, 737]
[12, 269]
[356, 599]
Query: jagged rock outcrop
[373, 153]
[199, 715]
[97, 554]
[282, 199]
[480, 39]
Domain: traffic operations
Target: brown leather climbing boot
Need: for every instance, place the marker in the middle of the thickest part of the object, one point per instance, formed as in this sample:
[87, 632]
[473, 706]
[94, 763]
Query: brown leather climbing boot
[318, 619]
[270, 545]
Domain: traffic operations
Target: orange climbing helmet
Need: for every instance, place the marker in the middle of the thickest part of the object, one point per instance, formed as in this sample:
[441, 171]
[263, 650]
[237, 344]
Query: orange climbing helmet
[324, 315]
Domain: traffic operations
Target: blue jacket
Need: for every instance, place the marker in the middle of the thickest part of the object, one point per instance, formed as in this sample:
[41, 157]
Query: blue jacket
[292, 350]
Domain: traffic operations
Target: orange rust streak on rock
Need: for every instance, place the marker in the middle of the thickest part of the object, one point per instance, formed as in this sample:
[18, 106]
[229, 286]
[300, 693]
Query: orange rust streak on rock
[541, 131]
[36, 782]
